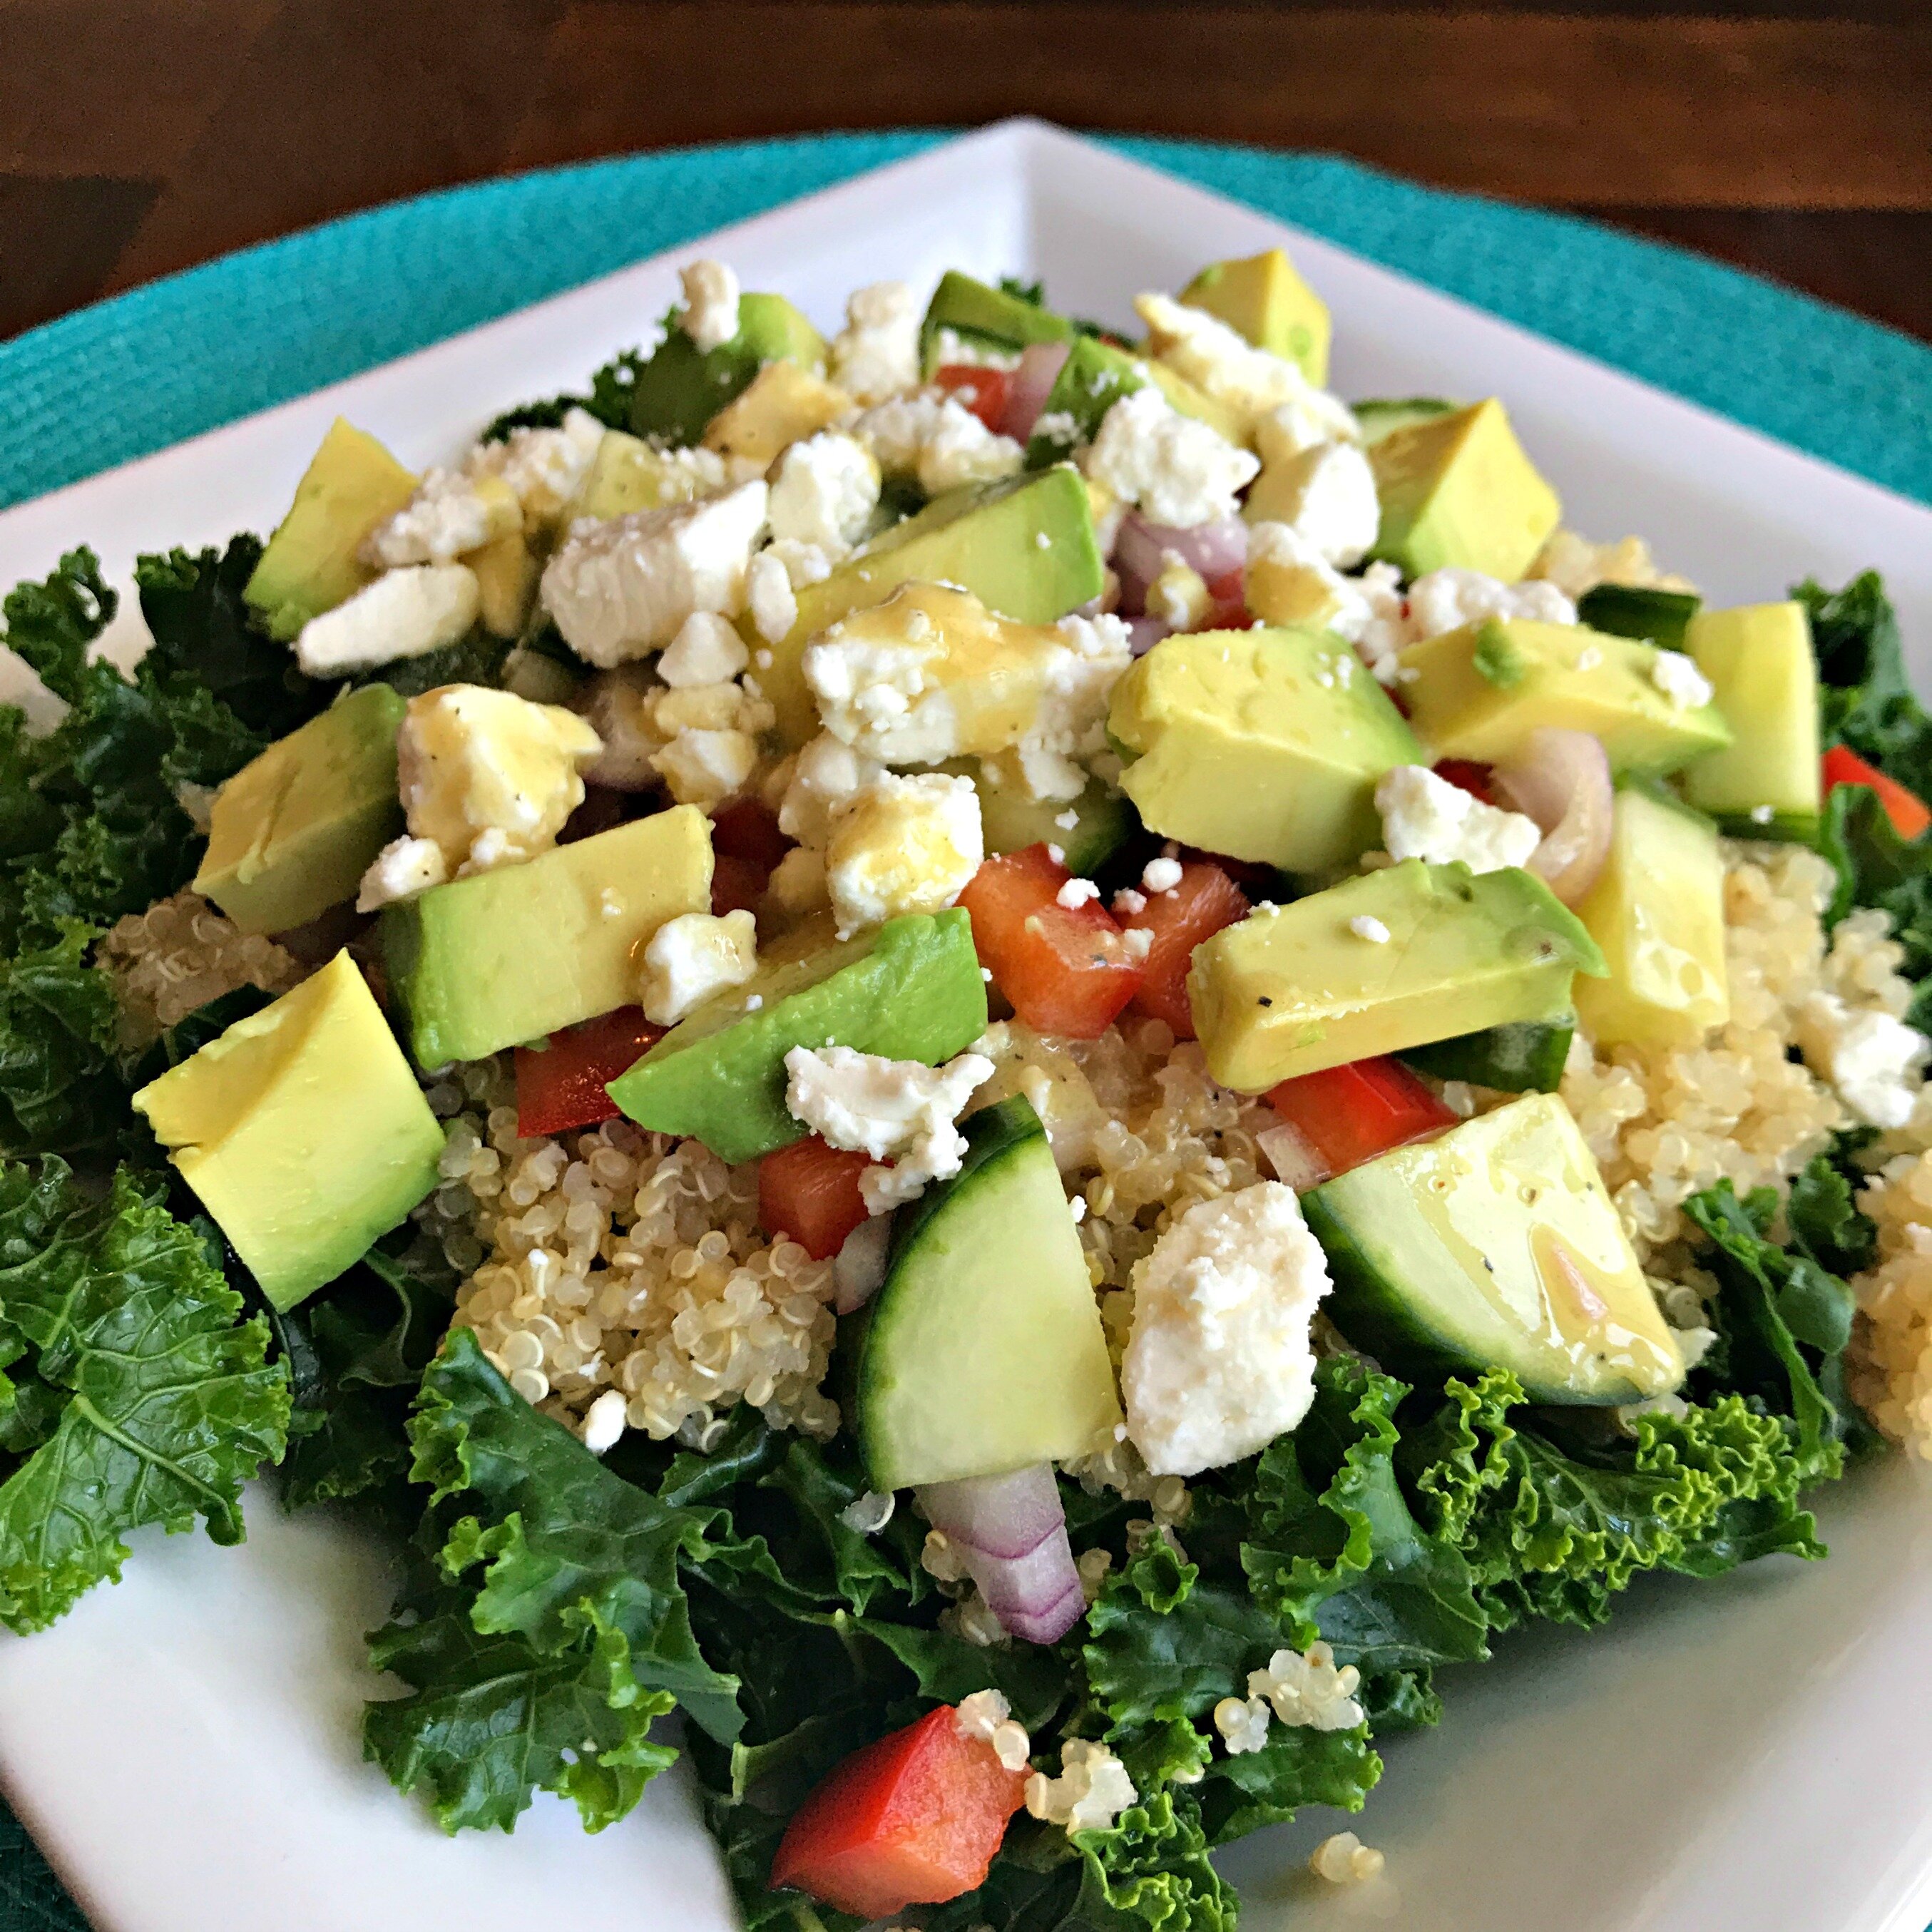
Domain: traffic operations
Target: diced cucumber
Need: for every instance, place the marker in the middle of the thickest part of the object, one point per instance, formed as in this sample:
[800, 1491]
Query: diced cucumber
[1381, 414]
[983, 1351]
[1523, 1056]
[1628, 611]
[1010, 821]
[1093, 378]
[1495, 1247]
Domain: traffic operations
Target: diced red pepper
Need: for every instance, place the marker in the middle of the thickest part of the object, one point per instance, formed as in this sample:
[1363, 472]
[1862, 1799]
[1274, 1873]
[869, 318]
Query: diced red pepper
[1908, 811]
[1206, 900]
[1466, 775]
[748, 829]
[1351, 1114]
[1230, 610]
[809, 1191]
[914, 1820]
[736, 885]
[1065, 969]
[561, 1086]
[981, 391]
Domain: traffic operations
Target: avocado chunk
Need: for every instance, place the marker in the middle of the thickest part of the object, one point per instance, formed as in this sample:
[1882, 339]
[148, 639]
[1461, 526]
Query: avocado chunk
[1093, 378]
[1024, 547]
[313, 562]
[1264, 745]
[1010, 821]
[1479, 692]
[628, 474]
[1768, 783]
[1658, 913]
[1293, 989]
[984, 315]
[683, 387]
[911, 991]
[983, 1352]
[509, 955]
[292, 831]
[785, 404]
[1378, 415]
[1522, 1057]
[301, 1130]
[1458, 490]
[1638, 610]
[1495, 1247]
[1263, 297]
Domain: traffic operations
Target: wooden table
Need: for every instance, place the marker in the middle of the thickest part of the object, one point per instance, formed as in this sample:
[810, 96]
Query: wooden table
[138, 136]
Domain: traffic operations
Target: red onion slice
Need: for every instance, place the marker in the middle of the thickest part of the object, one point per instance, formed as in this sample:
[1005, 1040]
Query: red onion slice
[1010, 1532]
[1214, 549]
[1029, 386]
[1292, 1156]
[1144, 633]
[859, 1269]
[1562, 779]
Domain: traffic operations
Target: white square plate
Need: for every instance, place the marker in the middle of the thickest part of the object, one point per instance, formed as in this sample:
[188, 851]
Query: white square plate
[1749, 1753]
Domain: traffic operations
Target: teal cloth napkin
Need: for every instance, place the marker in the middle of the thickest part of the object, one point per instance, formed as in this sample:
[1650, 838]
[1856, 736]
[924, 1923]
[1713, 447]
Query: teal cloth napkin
[167, 361]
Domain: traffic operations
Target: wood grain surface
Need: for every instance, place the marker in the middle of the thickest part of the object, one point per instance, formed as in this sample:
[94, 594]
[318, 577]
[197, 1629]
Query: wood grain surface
[139, 136]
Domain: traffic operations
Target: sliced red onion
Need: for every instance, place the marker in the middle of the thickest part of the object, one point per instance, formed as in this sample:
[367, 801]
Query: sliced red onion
[1029, 386]
[1292, 1156]
[859, 1269]
[1010, 1532]
[1562, 779]
[1144, 633]
[1214, 549]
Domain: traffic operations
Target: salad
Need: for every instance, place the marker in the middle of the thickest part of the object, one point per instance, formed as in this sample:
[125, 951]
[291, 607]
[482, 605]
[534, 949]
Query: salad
[985, 1072]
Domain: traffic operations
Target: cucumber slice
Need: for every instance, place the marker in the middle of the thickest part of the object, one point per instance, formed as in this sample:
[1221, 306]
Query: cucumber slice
[1495, 1247]
[983, 1352]
[1010, 821]
[1624, 611]
[1381, 414]
[1524, 1056]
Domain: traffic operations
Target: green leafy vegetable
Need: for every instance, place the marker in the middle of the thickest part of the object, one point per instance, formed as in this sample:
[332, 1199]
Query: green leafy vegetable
[609, 400]
[145, 1400]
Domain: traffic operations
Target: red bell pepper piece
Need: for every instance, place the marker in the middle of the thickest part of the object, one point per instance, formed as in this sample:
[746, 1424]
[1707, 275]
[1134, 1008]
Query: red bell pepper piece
[1206, 900]
[1065, 969]
[1468, 775]
[748, 830]
[1908, 811]
[561, 1086]
[1230, 610]
[736, 885]
[981, 391]
[1348, 1114]
[914, 1820]
[809, 1191]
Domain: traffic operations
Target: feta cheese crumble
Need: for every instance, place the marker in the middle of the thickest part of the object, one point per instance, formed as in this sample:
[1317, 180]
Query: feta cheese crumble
[769, 591]
[403, 614]
[1340, 512]
[902, 845]
[1076, 893]
[987, 1716]
[1872, 1060]
[451, 512]
[1680, 680]
[402, 868]
[1448, 599]
[1365, 925]
[707, 650]
[691, 957]
[1092, 1790]
[933, 438]
[604, 1421]
[1161, 875]
[876, 354]
[1218, 1362]
[1223, 361]
[1178, 471]
[709, 313]
[824, 491]
[1425, 817]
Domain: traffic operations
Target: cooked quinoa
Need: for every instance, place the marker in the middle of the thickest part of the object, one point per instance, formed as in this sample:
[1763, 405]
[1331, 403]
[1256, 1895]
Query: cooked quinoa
[171, 960]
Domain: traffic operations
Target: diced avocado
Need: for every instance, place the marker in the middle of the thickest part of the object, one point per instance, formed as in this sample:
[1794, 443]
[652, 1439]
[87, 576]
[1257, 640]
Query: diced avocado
[292, 831]
[1263, 297]
[1380, 414]
[505, 569]
[629, 474]
[1010, 821]
[986, 315]
[1634, 610]
[1230, 423]
[1093, 378]
[1289, 596]
[301, 1130]
[1658, 912]
[911, 991]
[1280, 493]
[1024, 547]
[683, 387]
[784, 404]
[1264, 745]
[1479, 692]
[1458, 490]
[1296, 988]
[312, 562]
[509, 955]
[983, 1352]
[1523, 1056]
[1768, 783]
[1495, 1247]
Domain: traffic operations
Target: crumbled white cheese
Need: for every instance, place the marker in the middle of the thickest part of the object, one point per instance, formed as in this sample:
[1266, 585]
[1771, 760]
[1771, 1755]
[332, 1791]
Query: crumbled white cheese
[895, 1110]
[1446, 599]
[709, 313]
[1061, 428]
[968, 351]
[1162, 874]
[1223, 362]
[451, 512]
[1180, 597]
[704, 766]
[798, 884]
[1425, 817]
[987, 1716]
[1680, 680]
[403, 614]
[544, 467]
[1873, 1060]
[1339, 513]
[902, 845]
[1076, 893]
[693, 956]
[1092, 1790]
[707, 650]
[1243, 1722]
[621, 589]
[1307, 1688]
[1365, 925]
[604, 1421]
[933, 437]
[402, 868]
[824, 776]
[768, 590]
[488, 776]
[1179, 471]
[1129, 904]
[824, 492]
[1139, 942]
[876, 354]
[805, 563]
[1219, 1362]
